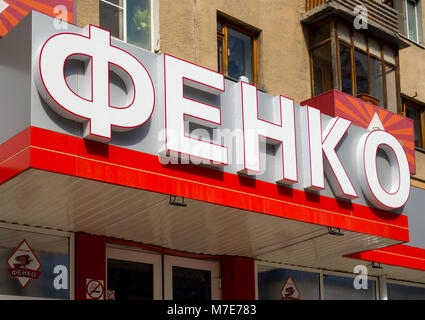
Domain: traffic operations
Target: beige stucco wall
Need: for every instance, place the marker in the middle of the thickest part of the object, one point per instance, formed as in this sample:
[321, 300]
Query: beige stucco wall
[87, 12]
[188, 29]
[412, 72]
[412, 69]
[419, 179]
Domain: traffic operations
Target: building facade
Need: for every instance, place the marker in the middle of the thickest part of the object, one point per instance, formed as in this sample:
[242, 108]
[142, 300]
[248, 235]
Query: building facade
[229, 150]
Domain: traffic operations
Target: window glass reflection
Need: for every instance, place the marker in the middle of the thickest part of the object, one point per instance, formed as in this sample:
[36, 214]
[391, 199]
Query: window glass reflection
[239, 54]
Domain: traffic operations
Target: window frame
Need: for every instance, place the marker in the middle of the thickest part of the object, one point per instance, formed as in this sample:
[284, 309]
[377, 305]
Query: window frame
[138, 256]
[213, 266]
[401, 283]
[418, 22]
[336, 42]
[421, 111]
[154, 26]
[226, 23]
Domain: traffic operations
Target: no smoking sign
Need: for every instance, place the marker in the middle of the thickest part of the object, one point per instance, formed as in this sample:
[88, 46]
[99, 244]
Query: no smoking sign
[95, 289]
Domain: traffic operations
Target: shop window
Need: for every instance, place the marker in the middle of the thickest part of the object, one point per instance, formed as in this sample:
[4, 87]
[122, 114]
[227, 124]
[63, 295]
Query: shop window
[272, 281]
[365, 67]
[396, 291]
[43, 255]
[342, 288]
[236, 51]
[416, 113]
[128, 20]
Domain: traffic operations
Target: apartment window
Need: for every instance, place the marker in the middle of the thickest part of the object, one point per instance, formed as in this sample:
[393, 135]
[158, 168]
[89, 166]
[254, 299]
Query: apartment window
[354, 63]
[128, 20]
[413, 19]
[416, 113]
[236, 51]
[410, 19]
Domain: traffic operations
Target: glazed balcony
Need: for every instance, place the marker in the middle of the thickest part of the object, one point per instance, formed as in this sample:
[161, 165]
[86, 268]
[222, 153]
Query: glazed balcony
[381, 16]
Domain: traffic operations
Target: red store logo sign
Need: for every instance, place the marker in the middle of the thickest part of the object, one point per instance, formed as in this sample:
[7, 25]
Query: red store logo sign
[24, 264]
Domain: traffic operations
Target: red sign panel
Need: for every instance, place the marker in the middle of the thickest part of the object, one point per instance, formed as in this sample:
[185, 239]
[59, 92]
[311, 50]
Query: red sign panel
[363, 114]
[13, 11]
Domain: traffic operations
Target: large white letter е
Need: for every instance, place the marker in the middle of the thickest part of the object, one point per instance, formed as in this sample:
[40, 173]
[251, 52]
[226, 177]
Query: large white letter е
[96, 113]
[179, 73]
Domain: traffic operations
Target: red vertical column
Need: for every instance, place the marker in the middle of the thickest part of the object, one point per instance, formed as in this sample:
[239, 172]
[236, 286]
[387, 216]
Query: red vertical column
[238, 278]
[90, 262]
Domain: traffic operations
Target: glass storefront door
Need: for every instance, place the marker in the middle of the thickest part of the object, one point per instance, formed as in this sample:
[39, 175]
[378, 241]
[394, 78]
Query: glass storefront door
[133, 274]
[191, 279]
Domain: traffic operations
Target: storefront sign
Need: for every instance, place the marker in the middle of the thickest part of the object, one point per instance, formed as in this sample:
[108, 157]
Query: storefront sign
[95, 289]
[319, 141]
[290, 291]
[23, 264]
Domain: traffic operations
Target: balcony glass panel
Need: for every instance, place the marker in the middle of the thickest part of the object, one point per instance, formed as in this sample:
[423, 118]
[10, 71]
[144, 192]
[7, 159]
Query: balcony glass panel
[360, 40]
[391, 88]
[362, 81]
[346, 74]
[374, 48]
[389, 55]
[320, 34]
[376, 83]
[344, 33]
[322, 68]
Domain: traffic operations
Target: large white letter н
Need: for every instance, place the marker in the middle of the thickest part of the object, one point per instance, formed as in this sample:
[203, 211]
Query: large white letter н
[180, 110]
[281, 134]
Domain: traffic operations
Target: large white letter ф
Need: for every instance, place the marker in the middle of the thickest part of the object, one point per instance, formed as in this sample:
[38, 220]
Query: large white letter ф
[96, 113]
